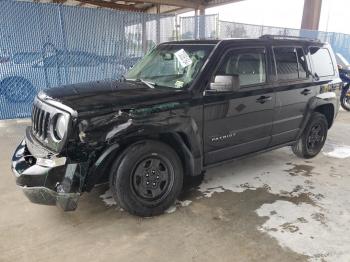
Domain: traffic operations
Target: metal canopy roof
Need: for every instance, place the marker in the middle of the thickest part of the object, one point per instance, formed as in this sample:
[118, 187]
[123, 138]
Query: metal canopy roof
[311, 14]
[149, 6]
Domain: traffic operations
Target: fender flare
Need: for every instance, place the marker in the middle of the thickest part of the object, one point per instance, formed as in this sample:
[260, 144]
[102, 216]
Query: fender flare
[96, 170]
[315, 103]
[192, 166]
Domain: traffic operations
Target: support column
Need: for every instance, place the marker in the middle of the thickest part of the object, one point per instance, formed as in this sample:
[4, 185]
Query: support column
[158, 25]
[311, 14]
[199, 23]
[196, 12]
[144, 36]
[202, 22]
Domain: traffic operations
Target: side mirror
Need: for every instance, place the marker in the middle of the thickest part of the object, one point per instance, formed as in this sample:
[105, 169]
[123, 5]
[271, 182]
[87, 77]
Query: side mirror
[225, 83]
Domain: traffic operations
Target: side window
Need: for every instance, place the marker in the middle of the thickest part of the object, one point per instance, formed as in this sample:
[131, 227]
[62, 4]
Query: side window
[291, 63]
[286, 63]
[248, 65]
[322, 61]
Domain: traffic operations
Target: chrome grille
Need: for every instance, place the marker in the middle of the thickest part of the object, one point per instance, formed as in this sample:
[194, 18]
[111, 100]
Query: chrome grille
[40, 122]
[43, 114]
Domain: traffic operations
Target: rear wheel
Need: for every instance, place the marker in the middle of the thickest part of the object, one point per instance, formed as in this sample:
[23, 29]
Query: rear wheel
[146, 178]
[313, 138]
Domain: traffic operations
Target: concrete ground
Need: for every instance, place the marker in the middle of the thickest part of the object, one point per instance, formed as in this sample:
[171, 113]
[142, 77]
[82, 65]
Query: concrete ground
[272, 207]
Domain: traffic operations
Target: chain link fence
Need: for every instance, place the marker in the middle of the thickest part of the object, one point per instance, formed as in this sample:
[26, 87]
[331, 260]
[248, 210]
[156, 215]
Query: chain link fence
[210, 27]
[47, 45]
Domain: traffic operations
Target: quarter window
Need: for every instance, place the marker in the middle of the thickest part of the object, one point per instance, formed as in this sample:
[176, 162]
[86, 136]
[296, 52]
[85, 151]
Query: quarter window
[249, 65]
[322, 61]
[291, 63]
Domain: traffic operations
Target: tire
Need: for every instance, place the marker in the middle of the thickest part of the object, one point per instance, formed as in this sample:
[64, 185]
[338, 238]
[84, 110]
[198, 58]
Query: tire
[146, 178]
[313, 137]
[18, 90]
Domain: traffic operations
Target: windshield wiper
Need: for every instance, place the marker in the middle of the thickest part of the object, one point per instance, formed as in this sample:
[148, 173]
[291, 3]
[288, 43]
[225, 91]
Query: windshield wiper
[147, 83]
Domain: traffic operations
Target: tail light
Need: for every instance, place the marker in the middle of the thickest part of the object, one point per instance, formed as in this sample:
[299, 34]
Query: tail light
[4, 59]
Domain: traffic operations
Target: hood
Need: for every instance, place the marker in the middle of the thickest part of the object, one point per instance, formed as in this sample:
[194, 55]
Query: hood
[92, 96]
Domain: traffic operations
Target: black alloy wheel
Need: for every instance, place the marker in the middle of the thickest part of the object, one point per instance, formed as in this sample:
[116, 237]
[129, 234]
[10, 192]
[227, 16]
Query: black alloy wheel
[313, 138]
[316, 138]
[152, 178]
[146, 178]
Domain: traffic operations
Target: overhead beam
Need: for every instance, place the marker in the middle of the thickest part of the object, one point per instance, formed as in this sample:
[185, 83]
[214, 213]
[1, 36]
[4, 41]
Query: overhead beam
[110, 5]
[168, 9]
[311, 14]
[212, 3]
[180, 3]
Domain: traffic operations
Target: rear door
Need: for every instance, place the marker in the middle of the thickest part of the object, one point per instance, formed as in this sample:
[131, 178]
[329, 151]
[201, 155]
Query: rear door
[239, 122]
[294, 89]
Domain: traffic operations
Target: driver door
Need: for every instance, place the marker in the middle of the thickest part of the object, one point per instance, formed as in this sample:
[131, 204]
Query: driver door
[239, 122]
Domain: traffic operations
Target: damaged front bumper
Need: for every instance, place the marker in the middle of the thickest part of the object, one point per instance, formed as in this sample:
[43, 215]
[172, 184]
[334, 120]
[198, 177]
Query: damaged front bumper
[46, 179]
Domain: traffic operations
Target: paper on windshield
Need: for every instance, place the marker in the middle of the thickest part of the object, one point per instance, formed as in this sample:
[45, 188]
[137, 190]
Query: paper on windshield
[183, 58]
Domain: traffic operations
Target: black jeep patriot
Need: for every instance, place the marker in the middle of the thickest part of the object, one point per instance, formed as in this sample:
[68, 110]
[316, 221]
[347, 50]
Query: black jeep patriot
[185, 107]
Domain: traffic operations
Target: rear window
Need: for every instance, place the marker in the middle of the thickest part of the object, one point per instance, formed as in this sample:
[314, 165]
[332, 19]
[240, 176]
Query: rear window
[290, 63]
[322, 61]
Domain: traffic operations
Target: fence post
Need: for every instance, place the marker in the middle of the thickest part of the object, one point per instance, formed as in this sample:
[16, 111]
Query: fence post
[64, 38]
[217, 30]
[202, 21]
[177, 28]
[144, 35]
[158, 24]
[196, 25]
[262, 31]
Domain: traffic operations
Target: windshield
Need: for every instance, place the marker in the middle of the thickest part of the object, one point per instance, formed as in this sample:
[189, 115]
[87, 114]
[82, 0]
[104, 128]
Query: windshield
[171, 66]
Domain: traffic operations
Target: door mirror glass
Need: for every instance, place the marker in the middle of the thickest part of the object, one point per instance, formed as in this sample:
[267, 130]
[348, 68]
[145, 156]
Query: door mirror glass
[225, 83]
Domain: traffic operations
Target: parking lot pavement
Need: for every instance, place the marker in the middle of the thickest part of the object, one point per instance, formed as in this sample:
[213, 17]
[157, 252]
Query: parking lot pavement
[272, 207]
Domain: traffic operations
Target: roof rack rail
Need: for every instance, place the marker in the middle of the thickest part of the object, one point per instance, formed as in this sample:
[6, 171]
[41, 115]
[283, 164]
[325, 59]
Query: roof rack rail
[289, 37]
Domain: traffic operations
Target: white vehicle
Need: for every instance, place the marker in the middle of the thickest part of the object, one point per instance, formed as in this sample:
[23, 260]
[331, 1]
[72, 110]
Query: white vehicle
[23, 74]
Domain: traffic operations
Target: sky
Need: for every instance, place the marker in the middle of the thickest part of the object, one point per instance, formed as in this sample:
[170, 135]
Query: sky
[285, 13]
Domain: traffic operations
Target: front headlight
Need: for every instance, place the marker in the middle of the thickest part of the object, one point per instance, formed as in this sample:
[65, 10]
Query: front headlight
[60, 127]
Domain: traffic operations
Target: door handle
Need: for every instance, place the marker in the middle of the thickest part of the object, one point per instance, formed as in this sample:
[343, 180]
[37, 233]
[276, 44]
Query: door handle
[263, 99]
[306, 92]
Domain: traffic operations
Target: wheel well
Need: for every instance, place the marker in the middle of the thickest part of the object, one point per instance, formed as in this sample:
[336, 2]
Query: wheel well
[179, 142]
[176, 141]
[328, 112]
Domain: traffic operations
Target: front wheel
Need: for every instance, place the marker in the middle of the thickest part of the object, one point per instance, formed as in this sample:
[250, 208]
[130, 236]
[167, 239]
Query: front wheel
[146, 178]
[313, 138]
